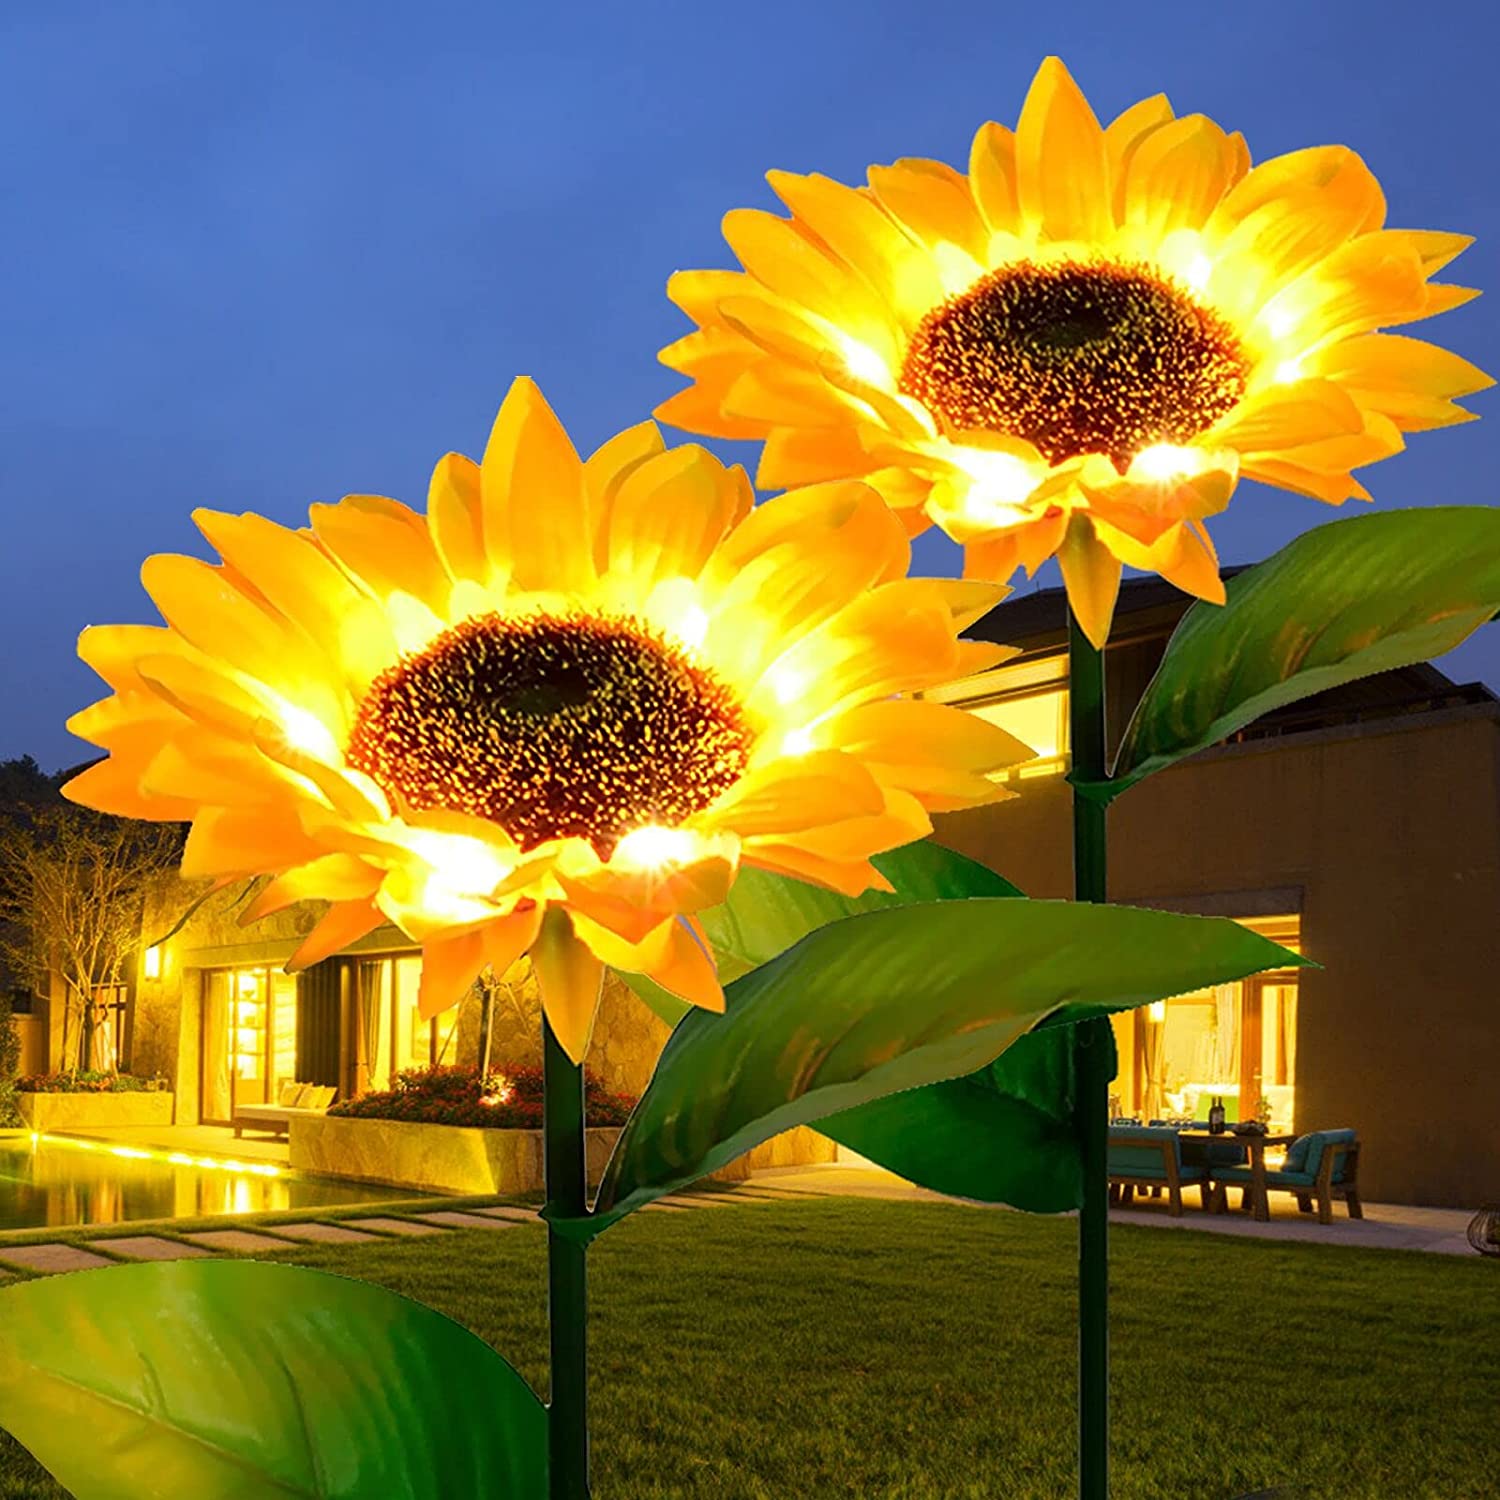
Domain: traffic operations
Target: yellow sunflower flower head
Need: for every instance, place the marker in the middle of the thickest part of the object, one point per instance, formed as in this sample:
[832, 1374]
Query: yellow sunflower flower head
[1077, 347]
[553, 715]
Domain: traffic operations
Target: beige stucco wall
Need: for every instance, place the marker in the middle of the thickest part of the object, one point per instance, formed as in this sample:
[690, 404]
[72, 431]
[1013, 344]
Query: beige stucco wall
[1393, 838]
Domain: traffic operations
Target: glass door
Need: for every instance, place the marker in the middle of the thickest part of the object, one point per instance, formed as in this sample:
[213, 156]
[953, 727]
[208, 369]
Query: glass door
[216, 1105]
[249, 1041]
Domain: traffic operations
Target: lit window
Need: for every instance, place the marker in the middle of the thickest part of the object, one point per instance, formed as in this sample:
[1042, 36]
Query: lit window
[1038, 719]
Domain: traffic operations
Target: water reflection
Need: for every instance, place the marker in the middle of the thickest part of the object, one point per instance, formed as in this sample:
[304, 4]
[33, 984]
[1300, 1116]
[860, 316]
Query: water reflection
[48, 1182]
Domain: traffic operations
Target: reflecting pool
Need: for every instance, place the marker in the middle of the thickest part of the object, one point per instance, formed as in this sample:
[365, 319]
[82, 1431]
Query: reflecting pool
[55, 1180]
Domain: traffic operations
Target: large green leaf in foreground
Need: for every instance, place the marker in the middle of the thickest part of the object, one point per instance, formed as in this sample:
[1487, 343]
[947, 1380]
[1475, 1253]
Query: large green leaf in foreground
[1004, 1134]
[241, 1381]
[892, 1000]
[1343, 601]
[765, 914]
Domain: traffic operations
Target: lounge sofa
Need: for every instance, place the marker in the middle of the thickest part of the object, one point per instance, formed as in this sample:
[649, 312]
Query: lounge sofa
[293, 1101]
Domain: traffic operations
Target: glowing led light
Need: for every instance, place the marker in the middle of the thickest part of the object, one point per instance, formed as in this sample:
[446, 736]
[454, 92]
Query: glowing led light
[460, 865]
[1164, 461]
[131, 1152]
[307, 732]
[151, 962]
[1157, 1010]
[180, 1159]
[652, 847]
[1001, 482]
[1197, 271]
[1278, 321]
[690, 626]
[787, 685]
[863, 362]
[796, 742]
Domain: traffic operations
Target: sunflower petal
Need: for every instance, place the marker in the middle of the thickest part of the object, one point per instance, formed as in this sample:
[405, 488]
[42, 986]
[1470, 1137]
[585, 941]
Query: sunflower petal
[1062, 167]
[569, 976]
[342, 924]
[536, 517]
[449, 968]
[1091, 574]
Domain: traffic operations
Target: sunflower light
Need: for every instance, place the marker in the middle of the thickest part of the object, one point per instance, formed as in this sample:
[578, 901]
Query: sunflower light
[609, 712]
[1082, 293]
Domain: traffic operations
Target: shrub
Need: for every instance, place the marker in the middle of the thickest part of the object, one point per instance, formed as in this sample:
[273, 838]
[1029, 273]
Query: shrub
[80, 1083]
[508, 1098]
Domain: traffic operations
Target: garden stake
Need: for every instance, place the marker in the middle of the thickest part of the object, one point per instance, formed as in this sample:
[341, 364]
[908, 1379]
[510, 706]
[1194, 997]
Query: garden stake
[1091, 1076]
[567, 1299]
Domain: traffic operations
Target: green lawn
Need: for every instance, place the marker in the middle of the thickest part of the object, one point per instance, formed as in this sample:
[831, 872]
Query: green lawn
[925, 1352]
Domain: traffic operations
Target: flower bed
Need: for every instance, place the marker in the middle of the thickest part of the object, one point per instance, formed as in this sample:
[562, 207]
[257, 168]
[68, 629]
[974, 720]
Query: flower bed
[62, 1109]
[85, 1083]
[510, 1098]
[449, 1130]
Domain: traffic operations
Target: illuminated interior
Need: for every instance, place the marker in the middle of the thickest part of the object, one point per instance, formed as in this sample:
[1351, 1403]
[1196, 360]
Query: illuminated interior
[393, 1035]
[1027, 699]
[1236, 1042]
[1038, 719]
[249, 1042]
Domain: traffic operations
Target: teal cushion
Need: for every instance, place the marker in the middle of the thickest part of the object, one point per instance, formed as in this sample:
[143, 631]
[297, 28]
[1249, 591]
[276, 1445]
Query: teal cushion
[1296, 1154]
[1273, 1179]
[1156, 1173]
[1134, 1153]
[1316, 1141]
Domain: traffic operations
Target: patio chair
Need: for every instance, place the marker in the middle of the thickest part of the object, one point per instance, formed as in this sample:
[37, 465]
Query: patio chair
[1144, 1156]
[1321, 1165]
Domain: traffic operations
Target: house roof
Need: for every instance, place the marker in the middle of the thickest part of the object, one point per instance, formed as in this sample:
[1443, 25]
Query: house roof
[1038, 622]
[1034, 619]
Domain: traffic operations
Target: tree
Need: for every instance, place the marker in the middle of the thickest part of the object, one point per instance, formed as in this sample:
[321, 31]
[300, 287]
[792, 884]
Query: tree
[73, 890]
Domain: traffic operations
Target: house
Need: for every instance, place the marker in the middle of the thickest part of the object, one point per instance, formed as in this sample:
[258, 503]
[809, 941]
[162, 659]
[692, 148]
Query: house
[214, 1014]
[1359, 827]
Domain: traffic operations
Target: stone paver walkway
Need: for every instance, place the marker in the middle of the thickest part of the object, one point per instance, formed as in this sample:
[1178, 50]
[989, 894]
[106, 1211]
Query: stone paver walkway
[235, 1239]
[322, 1234]
[393, 1226]
[148, 1247]
[454, 1219]
[53, 1258]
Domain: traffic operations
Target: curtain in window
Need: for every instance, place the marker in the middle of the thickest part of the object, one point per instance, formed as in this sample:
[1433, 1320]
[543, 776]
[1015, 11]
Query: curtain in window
[368, 977]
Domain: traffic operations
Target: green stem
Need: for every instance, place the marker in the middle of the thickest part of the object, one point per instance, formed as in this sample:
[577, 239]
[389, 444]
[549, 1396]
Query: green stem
[1092, 1069]
[563, 1164]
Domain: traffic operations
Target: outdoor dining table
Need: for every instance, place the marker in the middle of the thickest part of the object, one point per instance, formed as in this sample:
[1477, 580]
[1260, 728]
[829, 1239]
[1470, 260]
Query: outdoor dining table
[1256, 1146]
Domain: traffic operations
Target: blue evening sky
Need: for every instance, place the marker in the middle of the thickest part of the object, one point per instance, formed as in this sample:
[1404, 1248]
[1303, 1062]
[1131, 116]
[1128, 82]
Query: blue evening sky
[263, 255]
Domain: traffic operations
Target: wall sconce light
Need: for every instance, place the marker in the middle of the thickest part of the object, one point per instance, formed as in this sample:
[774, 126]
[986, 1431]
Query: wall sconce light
[1157, 1010]
[151, 967]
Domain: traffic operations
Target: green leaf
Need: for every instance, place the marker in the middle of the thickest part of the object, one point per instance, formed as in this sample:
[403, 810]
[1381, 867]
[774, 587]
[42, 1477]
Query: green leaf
[1005, 1134]
[765, 914]
[1343, 601]
[898, 999]
[247, 1381]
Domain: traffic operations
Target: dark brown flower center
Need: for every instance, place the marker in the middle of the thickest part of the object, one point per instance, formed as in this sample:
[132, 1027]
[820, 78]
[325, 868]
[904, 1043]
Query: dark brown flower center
[1076, 359]
[553, 728]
